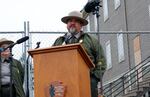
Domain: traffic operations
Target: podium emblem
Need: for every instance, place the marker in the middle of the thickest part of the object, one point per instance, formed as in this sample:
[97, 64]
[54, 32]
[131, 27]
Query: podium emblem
[57, 89]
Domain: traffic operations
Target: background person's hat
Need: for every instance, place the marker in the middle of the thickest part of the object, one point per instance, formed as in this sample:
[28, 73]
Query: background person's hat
[5, 41]
[77, 15]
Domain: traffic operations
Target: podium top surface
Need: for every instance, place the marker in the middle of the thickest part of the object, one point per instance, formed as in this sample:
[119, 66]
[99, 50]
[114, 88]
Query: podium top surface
[77, 46]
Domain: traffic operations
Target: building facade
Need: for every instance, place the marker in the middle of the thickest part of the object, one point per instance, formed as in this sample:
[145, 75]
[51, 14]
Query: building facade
[124, 33]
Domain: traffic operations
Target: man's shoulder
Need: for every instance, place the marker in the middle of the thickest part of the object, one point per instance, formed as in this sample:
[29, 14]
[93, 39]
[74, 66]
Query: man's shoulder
[16, 60]
[60, 38]
[86, 35]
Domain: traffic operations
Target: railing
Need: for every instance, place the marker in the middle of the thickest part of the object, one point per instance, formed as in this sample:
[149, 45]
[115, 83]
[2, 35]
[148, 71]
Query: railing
[128, 80]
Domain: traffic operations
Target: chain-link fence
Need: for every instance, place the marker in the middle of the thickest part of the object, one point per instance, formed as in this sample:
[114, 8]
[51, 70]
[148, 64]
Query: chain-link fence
[19, 51]
[47, 38]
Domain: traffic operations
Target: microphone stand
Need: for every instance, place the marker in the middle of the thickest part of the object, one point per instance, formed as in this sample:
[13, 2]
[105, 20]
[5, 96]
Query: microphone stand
[27, 70]
[27, 74]
[96, 11]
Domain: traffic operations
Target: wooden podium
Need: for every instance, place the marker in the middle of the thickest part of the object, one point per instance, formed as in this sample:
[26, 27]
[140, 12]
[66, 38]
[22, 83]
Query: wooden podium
[68, 64]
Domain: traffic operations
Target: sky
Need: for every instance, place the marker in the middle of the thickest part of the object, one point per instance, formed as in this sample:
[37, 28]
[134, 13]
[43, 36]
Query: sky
[43, 15]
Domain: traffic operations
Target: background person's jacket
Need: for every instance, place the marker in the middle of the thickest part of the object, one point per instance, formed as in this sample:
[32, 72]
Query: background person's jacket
[17, 77]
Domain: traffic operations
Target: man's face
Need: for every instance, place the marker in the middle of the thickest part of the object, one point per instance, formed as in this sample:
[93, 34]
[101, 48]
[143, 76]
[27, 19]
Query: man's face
[74, 25]
[6, 53]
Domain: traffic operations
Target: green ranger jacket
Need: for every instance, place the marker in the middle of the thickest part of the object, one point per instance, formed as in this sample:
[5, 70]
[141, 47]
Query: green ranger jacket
[17, 77]
[93, 49]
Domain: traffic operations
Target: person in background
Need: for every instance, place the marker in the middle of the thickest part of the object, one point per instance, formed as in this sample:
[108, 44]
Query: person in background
[8, 64]
[75, 22]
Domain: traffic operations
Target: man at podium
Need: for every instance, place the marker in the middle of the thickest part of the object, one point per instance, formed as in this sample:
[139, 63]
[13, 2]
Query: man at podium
[75, 22]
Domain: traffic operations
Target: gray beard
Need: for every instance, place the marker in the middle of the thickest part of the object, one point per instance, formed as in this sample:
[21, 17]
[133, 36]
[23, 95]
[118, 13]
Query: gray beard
[73, 31]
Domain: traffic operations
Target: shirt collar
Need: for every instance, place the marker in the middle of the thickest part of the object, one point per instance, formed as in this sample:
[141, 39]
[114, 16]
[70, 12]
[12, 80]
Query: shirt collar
[3, 59]
[69, 35]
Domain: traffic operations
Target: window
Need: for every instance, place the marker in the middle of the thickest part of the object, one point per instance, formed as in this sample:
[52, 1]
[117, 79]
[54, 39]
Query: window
[108, 55]
[137, 55]
[120, 47]
[105, 9]
[117, 3]
[137, 50]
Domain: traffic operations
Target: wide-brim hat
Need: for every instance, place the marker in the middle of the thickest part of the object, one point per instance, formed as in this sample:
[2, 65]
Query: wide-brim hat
[75, 14]
[5, 41]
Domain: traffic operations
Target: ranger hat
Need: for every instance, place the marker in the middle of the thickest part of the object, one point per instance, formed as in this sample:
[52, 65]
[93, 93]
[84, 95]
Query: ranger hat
[5, 41]
[77, 15]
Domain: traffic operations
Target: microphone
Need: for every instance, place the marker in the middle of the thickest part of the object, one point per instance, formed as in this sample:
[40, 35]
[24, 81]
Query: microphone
[17, 42]
[22, 39]
[38, 45]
